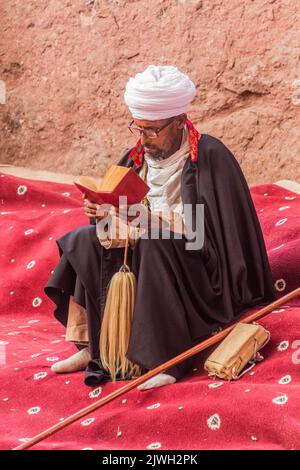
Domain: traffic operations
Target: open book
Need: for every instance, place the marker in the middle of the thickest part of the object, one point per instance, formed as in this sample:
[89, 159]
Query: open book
[118, 181]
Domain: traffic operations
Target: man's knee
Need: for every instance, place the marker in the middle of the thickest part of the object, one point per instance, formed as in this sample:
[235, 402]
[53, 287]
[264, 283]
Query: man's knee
[153, 245]
[78, 238]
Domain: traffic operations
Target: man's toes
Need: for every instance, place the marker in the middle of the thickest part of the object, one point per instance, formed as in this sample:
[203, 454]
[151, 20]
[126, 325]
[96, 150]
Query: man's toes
[146, 385]
[57, 367]
[158, 381]
[76, 362]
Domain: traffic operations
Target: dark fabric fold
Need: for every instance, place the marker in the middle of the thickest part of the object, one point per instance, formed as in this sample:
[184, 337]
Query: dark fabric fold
[94, 373]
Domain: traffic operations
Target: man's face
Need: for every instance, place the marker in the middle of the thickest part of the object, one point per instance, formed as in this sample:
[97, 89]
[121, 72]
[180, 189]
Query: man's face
[167, 141]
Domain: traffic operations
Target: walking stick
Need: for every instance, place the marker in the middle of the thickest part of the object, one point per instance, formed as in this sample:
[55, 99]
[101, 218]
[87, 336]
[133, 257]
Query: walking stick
[172, 362]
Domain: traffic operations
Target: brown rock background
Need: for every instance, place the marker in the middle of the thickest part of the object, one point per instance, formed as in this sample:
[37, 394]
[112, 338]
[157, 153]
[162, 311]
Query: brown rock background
[65, 65]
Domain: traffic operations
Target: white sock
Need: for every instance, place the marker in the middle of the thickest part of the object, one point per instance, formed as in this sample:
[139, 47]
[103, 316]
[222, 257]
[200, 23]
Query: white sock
[158, 380]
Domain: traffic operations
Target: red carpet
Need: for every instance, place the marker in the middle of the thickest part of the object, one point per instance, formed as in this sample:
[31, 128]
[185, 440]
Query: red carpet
[260, 411]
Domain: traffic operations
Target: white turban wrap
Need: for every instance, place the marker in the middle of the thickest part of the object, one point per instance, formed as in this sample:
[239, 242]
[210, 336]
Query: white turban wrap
[159, 92]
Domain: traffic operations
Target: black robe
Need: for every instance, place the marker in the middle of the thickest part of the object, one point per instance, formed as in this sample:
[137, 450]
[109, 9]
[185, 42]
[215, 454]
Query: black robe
[183, 295]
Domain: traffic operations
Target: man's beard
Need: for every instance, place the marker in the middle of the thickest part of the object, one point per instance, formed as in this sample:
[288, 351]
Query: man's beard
[155, 153]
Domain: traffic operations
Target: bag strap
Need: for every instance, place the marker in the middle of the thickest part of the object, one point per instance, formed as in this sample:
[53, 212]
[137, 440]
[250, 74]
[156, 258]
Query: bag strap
[257, 357]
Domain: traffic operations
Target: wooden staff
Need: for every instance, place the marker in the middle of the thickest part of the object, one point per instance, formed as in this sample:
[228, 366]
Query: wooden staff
[172, 362]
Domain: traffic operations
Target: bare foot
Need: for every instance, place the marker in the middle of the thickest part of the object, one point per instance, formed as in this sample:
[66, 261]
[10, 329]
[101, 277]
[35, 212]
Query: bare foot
[157, 381]
[78, 361]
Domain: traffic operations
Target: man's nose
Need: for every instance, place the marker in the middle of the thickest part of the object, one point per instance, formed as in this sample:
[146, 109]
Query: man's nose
[144, 139]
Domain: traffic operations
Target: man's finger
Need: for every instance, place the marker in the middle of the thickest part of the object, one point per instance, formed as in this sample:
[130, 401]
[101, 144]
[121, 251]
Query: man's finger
[102, 214]
[91, 205]
[90, 213]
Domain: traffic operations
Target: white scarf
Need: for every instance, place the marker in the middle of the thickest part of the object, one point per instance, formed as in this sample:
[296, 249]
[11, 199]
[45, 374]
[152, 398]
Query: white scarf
[164, 178]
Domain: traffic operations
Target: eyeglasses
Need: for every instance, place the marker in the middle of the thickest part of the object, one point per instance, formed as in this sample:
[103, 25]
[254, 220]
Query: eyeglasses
[149, 132]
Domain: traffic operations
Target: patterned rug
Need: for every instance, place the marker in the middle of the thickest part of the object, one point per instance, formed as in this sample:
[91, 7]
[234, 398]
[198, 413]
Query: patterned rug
[260, 411]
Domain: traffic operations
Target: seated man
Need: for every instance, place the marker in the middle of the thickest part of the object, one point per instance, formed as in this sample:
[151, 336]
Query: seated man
[183, 295]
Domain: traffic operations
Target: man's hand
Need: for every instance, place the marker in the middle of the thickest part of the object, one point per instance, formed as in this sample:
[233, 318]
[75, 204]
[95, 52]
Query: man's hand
[90, 209]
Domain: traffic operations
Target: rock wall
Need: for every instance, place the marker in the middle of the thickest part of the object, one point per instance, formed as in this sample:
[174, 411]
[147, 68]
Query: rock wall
[64, 65]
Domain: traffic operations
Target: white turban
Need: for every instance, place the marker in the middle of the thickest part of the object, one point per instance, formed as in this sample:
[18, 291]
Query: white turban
[159, 92]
